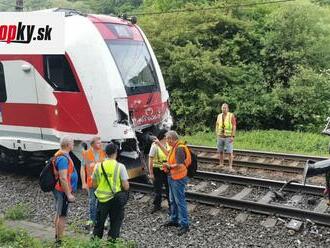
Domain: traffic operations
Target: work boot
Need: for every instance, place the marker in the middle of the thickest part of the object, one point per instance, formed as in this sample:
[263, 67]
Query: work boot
[57, 243]
[183, 230]
[170, 223]
[328, 203]
[155, 209]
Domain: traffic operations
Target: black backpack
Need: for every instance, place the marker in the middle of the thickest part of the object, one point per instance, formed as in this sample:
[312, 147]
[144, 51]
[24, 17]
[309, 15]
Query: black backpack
[192, 168]
[47, 179]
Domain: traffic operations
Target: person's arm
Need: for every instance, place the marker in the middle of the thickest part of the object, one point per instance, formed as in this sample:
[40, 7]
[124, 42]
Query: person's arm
[124, 178]
[163, 148]
[83, 177]
[64, 181]
[217, 126]
[96, 177]
[83, 171]
[125, 185]
[152, 154]
[233, 132]
[151, 166]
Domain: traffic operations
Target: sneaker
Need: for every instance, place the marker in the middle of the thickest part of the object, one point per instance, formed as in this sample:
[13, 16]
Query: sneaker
[326, 191]
[183, 230]
[328, 203]
[171, 223]
[88, 224]
[155, 209]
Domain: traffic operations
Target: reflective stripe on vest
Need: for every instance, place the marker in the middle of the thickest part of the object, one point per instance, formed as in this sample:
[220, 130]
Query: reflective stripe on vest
[160, 158]
[90, 162]
[103, 191]
[58, 186]
[228, 127]
[179, 172]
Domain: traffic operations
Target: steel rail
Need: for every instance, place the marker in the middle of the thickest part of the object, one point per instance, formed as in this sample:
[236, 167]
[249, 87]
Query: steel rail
[257, 165]
[276, 155]
[259, 182]
[255, 207]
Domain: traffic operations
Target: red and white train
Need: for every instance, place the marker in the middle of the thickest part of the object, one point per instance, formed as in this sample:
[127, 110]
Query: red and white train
[108, 84]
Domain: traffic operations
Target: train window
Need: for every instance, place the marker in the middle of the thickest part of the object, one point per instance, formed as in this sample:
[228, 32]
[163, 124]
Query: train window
[59, 74]
[3, 93]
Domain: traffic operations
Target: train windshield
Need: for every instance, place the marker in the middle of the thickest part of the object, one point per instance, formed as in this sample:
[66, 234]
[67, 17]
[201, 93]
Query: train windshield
[135, 65]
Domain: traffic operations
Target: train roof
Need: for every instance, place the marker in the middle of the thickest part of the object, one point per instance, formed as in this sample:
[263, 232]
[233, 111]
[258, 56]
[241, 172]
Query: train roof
[93, 17]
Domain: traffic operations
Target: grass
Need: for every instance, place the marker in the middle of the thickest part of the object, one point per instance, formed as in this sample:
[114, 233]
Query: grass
[18, 238]
[17, 212]
[272, 141]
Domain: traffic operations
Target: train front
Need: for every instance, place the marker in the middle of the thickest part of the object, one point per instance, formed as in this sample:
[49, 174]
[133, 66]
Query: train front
[146, 97]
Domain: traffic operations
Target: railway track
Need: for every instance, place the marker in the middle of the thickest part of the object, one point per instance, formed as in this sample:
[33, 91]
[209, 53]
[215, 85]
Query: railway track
[291, 163]
[262, 196]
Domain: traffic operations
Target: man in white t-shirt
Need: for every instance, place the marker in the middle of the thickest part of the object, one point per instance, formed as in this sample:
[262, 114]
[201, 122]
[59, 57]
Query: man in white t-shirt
[156, 173]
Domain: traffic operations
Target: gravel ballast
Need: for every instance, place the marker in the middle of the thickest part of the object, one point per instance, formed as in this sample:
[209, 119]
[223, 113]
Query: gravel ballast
[146, 230]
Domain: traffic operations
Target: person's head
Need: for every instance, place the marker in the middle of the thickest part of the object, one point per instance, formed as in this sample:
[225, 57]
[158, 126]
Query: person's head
[224, 108]
[84, 145]
[111, 150]
[161, 134]
[66, 143]
[96, 143]
[172, 137]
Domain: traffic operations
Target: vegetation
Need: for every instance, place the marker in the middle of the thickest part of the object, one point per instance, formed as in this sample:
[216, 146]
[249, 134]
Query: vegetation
[273, 140]
[20, 239]
[269, 62]
[17, 212]
[16, 238]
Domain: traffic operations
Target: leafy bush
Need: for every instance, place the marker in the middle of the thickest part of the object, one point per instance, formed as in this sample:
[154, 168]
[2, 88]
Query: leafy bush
[21, 239]
[17, 239]
[257, 59]
[17, 212]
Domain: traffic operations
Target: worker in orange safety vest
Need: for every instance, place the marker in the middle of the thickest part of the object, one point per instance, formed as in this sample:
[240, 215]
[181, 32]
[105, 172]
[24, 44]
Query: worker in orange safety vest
[93, 155]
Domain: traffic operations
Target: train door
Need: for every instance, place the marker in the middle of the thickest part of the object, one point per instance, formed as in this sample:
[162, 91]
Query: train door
[19, 104]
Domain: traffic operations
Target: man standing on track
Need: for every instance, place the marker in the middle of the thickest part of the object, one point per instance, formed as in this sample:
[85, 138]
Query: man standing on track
[92, 156]
[225, 130]
[67, 183]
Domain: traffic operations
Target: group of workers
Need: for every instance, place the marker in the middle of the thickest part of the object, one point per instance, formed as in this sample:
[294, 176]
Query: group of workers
[106, 182]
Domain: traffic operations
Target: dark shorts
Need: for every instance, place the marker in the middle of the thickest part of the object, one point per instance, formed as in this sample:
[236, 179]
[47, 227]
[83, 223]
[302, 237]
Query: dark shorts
[61, 203]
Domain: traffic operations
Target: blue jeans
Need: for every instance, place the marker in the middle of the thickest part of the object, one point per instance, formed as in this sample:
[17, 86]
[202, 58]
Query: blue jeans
[92, 204]
[178, 204]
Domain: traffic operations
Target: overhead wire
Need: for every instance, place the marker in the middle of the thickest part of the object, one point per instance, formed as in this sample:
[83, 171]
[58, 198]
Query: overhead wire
[209, 8]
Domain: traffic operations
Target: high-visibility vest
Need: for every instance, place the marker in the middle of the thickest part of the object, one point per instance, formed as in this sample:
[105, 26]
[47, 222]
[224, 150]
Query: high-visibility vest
[160, 158]
[178, 172]
[225, 128]
[58, 186]
[90, 163]
[103, 191]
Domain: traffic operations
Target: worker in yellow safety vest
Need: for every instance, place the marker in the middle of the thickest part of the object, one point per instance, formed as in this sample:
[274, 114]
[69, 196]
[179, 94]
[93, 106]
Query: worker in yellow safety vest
[110, 180]
[225, 130]
[157, 158]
